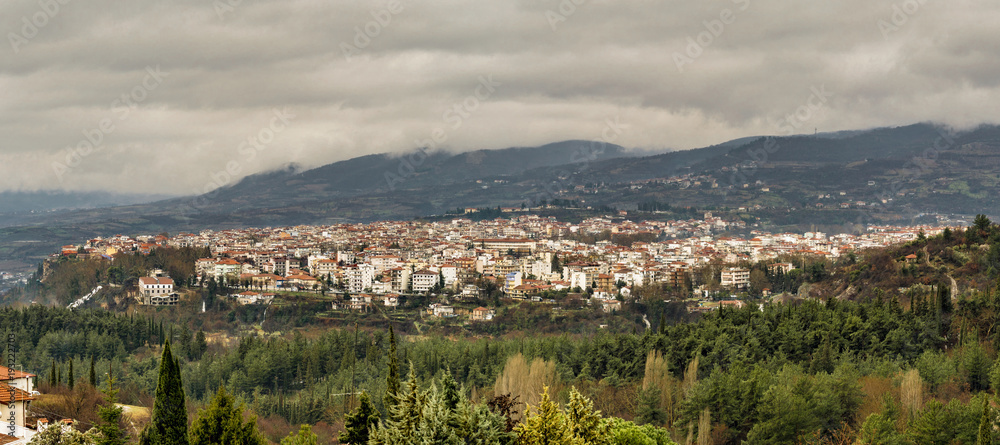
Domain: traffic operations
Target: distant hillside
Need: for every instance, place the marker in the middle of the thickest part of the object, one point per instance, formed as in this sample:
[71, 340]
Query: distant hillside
[838, 181]
[44, 201]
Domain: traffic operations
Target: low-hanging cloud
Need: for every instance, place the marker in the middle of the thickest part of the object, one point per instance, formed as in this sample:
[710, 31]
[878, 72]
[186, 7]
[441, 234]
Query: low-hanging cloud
[563, 67]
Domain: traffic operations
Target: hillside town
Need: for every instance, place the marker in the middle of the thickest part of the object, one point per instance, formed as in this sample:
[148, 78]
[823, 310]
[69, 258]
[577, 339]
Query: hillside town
[525, 257]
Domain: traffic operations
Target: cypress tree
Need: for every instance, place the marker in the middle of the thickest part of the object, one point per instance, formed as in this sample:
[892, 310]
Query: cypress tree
[168, 424]
[52, 374]
[72, 380]
[392, 380]
[985, 425]
[93, 373]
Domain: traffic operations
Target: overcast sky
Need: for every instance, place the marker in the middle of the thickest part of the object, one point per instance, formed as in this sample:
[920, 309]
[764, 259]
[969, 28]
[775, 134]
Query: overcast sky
[170, 92]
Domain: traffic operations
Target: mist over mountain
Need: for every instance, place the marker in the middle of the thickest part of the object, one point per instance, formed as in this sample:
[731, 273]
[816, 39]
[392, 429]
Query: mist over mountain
[877, 175]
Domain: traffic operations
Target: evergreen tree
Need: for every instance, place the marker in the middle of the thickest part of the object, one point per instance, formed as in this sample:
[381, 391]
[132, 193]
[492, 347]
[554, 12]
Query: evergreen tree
[359, 423]
[168, 424]
[392, 380]
[111, 417]
[546, 425]
[649, 410]
[930, 426]
[200, 345]
[52, 375]
[71, 380]
[822, 359]
[304, 437]
[982, 223]
[404, 418]
[449, 391]
[586, 423]
[221, 423]
[93, 373]
[436, 424]
[985, 436]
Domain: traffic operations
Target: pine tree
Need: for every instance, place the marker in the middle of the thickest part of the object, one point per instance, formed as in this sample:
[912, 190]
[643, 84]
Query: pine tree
[649, 410]
[168, 424]
[93, 373]
[304, 437]
[359, 423]
[437, 422]
[392, 380]
[823, 358]
[586, 423]
[449, 391]
[53, 375]
[546, 425]
[111, 416]
[404, 417]
[221, 423]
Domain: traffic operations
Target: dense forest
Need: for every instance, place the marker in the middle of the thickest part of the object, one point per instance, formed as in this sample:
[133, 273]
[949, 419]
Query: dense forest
[875, 348]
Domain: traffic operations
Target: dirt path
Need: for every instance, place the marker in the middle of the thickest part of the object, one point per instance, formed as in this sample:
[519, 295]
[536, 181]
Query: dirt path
[954, 284]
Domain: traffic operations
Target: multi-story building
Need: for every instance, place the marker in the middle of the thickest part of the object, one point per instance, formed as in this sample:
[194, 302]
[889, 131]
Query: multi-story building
[735, 277]
[359, 277]
[324, 268]
[228, 267]
[400, 279]
[424, 280]
[157, 291]
[517, 246]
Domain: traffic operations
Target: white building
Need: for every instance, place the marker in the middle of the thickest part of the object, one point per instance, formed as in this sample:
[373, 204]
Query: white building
[156, 290]
[424, 280]
[735, 277]
[359, 277]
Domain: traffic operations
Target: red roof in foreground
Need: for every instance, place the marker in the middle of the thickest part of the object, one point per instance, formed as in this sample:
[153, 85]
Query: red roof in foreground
[18, 396]
[5, 374]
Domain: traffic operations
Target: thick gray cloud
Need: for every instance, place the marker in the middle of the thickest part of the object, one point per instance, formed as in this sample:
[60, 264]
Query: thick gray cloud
[163, 97]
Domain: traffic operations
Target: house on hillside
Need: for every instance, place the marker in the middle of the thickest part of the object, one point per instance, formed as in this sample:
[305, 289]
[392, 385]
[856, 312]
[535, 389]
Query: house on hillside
[482, 314]
[442, 310]
[250, 297]
[157, 291]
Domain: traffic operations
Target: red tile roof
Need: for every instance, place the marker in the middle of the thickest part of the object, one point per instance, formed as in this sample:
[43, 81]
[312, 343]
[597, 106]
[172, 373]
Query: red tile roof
[5, 374]
[18, 396]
